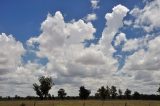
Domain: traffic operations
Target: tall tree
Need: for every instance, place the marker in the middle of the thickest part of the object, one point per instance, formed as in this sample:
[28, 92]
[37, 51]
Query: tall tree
[46, 84]
[61, 93]
[136, 95]
[120, 93]
[127, 93]
[97, 96]
[113, 92]
[84, 93]
[108, 92]
[38, 91]
[158, 89]
[102, 92]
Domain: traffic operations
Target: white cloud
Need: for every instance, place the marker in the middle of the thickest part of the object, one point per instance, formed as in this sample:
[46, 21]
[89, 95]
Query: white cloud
[95, 4]
[128, 22]
[91, 57]
[20, 81]
[69, 61]
[120, 38]
[10, 53]
[143, 64]
[71, 64]
[114, 23]
[135, 44]
[148, 17]
[91, 17]
[60, 34]
[145, 59]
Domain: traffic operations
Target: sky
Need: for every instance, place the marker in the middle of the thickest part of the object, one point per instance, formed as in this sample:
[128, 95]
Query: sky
[89, 43]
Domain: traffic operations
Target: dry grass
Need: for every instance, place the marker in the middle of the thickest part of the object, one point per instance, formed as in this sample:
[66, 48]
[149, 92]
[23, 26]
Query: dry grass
[80, 103]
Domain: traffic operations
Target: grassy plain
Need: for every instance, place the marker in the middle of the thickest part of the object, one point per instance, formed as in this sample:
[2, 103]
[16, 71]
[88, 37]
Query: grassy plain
[81, 103]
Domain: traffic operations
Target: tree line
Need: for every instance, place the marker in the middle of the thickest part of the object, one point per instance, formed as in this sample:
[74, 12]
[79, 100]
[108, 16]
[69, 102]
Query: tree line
[103, 93]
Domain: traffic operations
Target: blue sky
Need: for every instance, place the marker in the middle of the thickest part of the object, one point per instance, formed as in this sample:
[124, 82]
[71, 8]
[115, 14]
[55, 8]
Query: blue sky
[79, 42]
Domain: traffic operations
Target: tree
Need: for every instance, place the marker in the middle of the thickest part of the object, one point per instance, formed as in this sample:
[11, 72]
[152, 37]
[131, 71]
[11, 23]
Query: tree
[46, 84]
[158, 89]
[102, 92]
[84, 93]
[49, 97]
[97, 96]
[127, 93]
[120, 93]
[108, 92]
[113, 92]
[38, 91]
[136, 95]
[61, 93]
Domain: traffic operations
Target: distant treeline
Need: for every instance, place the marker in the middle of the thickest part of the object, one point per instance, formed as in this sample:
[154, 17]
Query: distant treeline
[103, 93]
[141, 97]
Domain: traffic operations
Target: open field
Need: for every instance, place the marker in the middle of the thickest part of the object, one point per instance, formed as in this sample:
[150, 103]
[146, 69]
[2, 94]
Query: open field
[80, 103]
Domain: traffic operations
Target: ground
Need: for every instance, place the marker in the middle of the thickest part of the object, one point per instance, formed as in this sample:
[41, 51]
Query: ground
[81, 103]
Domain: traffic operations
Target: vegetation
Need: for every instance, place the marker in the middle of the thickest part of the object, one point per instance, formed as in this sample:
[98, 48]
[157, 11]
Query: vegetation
[80, 103]
[158, 89]
[120, 93]
[84, 93]
[113, 92]
[103, 93]
[45, 85]
[127, 93]
[61, 93]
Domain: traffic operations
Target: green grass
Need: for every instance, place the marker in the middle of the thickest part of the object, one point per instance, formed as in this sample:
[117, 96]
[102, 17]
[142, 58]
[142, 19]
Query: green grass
[81, 103]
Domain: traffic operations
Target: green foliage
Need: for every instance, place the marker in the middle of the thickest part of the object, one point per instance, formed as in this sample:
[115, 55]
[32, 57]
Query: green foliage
[108, 92]
[136, 95]
[84, 93]
[104, 92]
[120, 92]
[113, 91]
[61, 93]
[38, 91]
[127, 93]
[46, 84]
[158, 89]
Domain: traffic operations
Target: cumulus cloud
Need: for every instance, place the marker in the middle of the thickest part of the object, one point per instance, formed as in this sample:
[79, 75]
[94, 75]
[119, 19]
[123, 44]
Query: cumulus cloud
[94, 4]
[71, 64]
[145, 17]
[19, 81]
[10, 53]
[136, 43]
[91, 17]
[128, 22]
[120, 38]
[114, 23]
[62, 44]
[142, 66]
[145, 59]
[91, 57]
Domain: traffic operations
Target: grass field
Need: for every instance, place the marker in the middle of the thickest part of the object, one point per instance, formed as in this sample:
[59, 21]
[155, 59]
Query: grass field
[80, 103]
